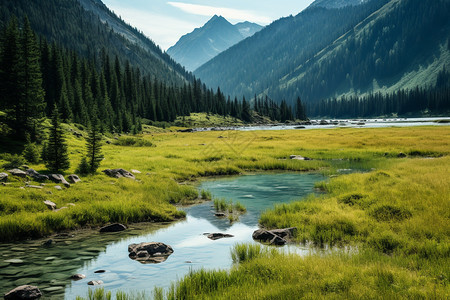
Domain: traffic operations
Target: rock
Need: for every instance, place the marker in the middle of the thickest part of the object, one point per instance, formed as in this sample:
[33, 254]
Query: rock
[34, 186]
[51, 205]
[285, 232]
[299, 127]
[278, 241]
[23, 292]
[58, 187]
[58, 178]
[73, 178]
[36, 176]
[220, 214]
[3, 177]
[186, 130]
[108, 142]
[153, 252]
[135, 172]
[217, 236]
[274, 237]
[100, 271]
[113, 228]
[64, 207]
[77, 277]
[299, 157]
[48, 243]
[18, 173]
[95, 282]
[118, 173]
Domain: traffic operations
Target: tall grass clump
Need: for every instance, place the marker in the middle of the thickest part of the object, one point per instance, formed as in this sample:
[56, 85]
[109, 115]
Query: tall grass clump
[246, 252]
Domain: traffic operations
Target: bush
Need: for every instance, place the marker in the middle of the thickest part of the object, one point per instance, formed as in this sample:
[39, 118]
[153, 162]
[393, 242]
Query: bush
[390, 213]
[31, 153]
[83, 167]
[13, 161]
[133, 142]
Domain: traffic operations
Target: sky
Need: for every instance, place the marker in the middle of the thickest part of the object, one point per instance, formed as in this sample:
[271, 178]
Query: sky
[165, 21]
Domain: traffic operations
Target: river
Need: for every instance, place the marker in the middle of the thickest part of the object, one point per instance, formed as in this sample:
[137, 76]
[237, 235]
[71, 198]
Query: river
[85, 252]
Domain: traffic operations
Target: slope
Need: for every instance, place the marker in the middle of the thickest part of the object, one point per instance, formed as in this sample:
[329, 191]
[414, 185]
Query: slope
[88, 26]
[260, 61]
[320, 53]
[204, 43]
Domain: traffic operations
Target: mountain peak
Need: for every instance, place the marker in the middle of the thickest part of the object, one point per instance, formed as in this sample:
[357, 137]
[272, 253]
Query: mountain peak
[204, 43]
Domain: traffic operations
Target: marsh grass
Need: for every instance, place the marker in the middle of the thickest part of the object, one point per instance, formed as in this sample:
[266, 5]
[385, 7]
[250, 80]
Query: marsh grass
[394, 219]
[232, 210]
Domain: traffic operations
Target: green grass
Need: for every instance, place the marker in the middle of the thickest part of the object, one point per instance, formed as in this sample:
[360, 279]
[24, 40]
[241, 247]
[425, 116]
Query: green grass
[390, 226]
[230, 209]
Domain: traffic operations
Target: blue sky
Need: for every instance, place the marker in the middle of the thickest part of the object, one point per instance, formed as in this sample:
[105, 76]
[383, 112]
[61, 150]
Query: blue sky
[165, 21]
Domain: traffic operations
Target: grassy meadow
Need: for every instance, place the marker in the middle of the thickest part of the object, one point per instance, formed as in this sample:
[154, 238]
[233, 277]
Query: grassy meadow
[390, 226]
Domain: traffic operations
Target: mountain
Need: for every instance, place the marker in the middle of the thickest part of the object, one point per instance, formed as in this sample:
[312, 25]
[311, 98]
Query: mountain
[88, 27]
[323, 52]
[204, 43]
[336, 3]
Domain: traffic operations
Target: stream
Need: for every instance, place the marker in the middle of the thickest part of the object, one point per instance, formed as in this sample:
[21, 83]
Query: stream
[50, 267]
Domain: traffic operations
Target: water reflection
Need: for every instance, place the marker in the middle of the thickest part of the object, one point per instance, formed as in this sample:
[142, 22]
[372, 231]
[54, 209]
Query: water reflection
[51, 268]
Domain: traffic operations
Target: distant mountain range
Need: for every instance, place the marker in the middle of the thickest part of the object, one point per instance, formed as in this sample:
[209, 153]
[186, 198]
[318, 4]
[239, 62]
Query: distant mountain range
[338, 47]
[206, 42]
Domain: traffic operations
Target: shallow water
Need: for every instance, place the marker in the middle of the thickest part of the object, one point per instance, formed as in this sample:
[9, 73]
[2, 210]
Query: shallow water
[50, 267]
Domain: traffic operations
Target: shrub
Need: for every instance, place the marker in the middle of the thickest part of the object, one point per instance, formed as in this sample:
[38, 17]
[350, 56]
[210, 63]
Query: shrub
[13, 161]
[31, 153]
[390, 213]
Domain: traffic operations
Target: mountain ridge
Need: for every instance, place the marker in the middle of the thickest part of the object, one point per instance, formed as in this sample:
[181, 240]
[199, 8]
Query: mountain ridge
[372, 42]
[204, 43]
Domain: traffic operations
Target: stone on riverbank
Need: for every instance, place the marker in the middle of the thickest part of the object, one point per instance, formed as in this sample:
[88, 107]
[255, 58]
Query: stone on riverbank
[150, 253]
[23, 292]
[274, 237]
[113, 228]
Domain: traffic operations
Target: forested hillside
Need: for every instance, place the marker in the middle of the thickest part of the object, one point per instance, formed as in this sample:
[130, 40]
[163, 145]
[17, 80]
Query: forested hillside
[87, 27]
[378, 46]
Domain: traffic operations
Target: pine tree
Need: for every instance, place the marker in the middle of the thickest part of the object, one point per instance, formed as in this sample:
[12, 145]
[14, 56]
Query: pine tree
[94, 147]
[55, 153]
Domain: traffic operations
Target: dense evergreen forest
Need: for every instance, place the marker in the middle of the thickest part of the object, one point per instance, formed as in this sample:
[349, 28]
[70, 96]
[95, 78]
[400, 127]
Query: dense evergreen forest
[259, 62]
[418, 101]
[323, 53]
[69, 24]
[35, 76]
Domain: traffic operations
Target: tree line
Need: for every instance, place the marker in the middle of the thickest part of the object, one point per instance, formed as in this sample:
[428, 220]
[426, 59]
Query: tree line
[417, 101]
[35, 76]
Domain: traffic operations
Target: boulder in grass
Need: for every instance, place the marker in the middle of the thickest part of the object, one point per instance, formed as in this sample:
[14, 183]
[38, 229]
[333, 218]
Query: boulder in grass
[73, 178]
[18, 173]
[3, 177]
[36, 176]
[51, 205]
[58, 178]
[113, 228]
[23, 292]
[118, 173]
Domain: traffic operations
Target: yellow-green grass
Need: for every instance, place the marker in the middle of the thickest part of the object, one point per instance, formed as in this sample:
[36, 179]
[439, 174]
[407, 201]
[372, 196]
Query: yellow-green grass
[180, 159]
[391, 225]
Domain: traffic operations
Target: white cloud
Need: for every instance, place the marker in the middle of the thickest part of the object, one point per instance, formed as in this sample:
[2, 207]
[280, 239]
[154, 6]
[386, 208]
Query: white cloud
[227, 13]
